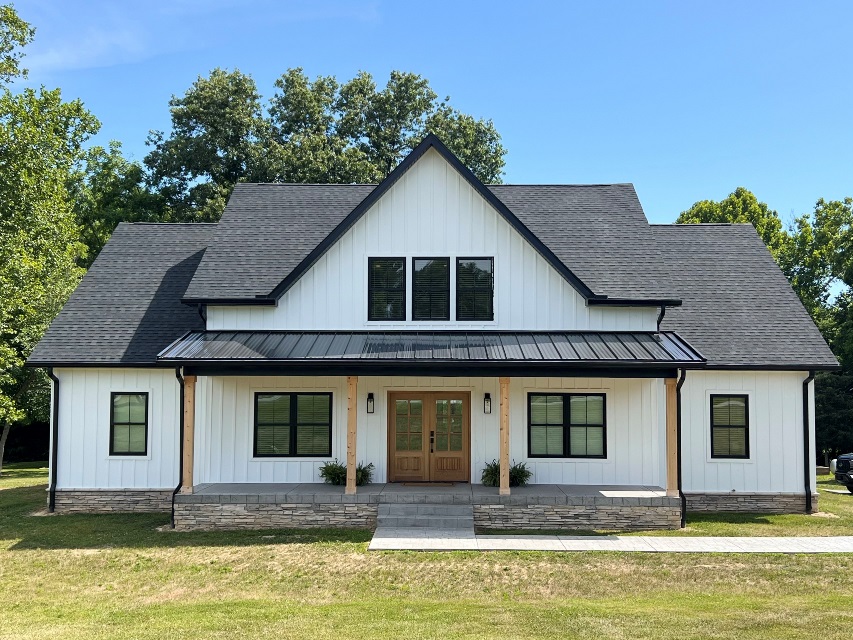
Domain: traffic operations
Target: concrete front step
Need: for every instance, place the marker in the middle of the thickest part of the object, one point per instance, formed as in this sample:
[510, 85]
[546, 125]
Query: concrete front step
[426, 516]
[399, 509]
[427, 522]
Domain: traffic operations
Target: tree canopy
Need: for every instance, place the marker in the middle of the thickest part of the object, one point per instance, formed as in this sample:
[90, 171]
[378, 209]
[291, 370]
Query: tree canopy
[41, 138]
[317, 131]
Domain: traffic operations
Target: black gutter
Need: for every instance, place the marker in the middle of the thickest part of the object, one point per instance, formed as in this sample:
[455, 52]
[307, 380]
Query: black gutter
[807, 461]
[634, 302]
[181, 442]
[661, 315]
[255, 302]
[681, 495]
[54, 442]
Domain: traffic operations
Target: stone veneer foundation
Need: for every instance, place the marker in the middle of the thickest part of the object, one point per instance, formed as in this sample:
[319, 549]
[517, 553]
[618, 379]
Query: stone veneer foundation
[113, 501]
[749, 502]
[664, 514]
[247, 511]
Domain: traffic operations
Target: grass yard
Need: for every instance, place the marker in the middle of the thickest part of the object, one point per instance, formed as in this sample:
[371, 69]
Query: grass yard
[117, 576]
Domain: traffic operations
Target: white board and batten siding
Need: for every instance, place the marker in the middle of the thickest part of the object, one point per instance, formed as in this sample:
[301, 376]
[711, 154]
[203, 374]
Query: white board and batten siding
[431, 212]
[225, 428]
[775, 464]
[83, 455]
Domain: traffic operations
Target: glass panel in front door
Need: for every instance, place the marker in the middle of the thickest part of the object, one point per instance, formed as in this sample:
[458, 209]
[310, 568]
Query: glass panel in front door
[448, 425]
[409, 425]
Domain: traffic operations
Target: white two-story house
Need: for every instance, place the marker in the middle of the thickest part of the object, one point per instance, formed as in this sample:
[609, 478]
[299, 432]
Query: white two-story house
[430, 325]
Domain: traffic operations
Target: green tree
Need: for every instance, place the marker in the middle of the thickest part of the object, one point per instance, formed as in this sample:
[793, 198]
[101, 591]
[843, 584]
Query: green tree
[41, 139]
[107, 190]
[217, 137]
[313, 131]
[14, 35]
[741, 206]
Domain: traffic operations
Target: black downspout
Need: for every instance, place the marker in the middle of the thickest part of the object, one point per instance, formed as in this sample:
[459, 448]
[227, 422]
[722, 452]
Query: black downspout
[54, 442]
[180, 378]
[807, 462]
[661, 315]
[681, 495]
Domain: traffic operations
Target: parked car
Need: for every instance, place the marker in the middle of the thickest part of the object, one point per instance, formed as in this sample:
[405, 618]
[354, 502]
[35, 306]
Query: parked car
[842, 467]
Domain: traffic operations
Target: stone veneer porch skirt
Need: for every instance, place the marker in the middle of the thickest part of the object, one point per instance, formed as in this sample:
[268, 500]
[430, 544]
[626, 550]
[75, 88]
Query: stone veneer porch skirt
[261, 506]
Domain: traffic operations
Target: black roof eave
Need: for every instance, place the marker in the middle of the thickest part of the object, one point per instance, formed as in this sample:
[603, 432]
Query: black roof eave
[388, 367]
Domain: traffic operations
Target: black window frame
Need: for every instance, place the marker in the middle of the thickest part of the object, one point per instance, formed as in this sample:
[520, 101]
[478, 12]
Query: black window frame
[113, 395]
[567, 424]
[292, 424]
[371, 289]
[745, 426]
[474, 289]
[415, 290]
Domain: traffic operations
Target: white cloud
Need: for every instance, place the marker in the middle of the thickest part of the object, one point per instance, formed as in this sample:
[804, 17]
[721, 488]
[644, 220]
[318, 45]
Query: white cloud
[76, 34]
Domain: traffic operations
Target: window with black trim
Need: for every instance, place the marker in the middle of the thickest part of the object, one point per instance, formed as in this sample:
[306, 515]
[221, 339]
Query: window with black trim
[293, 425]
[566, 425]
[129, 424]
[729, 426]
[431, 289]
[475, 289]
[386, 289]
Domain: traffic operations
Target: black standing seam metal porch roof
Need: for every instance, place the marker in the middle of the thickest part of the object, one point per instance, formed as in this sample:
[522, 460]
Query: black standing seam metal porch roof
[492, 351]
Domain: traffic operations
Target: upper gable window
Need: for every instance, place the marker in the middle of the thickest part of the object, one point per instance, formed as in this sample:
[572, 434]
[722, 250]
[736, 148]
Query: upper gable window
[386, 289]
[475, 289]
[431, 289]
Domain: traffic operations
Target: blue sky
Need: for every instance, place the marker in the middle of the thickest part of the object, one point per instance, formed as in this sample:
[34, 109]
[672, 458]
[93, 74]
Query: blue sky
[687, 100]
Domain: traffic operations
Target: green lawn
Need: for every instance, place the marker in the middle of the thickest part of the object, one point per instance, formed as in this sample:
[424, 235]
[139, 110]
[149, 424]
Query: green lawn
[119, 577]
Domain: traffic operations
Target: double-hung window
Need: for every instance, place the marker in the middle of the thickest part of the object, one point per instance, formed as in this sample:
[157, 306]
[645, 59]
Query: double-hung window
[293, 424]
[129, 424]
[386, 289]
[475, 289]
[567, 425]
[431, 289]
[729, 426]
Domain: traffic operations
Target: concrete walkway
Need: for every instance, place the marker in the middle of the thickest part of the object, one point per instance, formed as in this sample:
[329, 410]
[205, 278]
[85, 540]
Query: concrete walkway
[425, 539]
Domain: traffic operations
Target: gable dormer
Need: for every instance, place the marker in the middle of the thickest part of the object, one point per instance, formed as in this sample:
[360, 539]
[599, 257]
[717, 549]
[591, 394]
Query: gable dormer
[429, 248]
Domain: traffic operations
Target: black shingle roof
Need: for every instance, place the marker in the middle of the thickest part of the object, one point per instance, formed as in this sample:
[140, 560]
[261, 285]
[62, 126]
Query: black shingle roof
[128, 306]
[738, 307]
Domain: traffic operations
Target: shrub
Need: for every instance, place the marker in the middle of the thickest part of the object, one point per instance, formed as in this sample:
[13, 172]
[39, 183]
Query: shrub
[336, 473]
[519, 474]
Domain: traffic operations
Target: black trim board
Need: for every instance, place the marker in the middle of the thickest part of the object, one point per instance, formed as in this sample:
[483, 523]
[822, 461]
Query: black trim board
[523, 370]
[430, 141]
[634, 302]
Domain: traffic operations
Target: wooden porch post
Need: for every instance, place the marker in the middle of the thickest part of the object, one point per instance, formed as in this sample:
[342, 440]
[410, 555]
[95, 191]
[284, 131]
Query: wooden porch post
[189, 433]
[671, 438]
[504, 488]
[352, 413]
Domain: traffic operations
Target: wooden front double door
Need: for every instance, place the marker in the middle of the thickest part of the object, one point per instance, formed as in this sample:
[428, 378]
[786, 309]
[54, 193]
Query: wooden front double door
[429, 437]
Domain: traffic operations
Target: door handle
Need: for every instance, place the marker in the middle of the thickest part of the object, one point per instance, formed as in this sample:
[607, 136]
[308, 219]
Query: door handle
[431, 441]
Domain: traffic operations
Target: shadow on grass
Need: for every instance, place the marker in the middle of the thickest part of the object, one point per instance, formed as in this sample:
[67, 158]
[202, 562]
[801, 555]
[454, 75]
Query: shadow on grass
[23, 524]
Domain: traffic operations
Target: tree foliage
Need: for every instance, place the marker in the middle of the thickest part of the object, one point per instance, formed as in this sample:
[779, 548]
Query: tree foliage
[41, 139]
[317, 131]
[14, 35]
[741, 206]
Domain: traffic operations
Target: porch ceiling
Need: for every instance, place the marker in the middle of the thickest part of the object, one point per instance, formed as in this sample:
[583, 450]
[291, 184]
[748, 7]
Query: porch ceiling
[384, 352]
